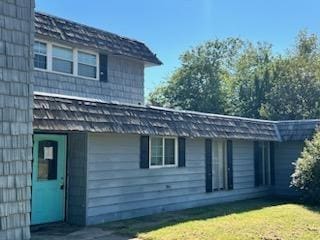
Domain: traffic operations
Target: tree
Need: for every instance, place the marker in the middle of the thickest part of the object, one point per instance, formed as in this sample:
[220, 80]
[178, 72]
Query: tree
[252, 80]
[306, 177]
[199, 83]
[295, 93]
[245, 79]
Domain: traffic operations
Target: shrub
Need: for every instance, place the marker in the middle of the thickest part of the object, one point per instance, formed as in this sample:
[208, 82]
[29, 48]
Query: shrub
[306, 177]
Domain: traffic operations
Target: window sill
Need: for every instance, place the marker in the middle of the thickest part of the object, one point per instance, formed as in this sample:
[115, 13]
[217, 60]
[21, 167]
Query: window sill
[66, 74]
[166, 166]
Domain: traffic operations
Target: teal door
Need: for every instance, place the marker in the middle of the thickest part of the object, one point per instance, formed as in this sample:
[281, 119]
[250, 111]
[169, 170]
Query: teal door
[48, 178]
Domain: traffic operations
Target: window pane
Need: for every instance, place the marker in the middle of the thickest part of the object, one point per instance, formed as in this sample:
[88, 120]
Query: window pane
[47, 160]
[219, 165]
[40, 48]
[87, 71]
[86, 58]
[63, 53]
[169, 152]
[40, 61]
[63, 66]
[156, 151]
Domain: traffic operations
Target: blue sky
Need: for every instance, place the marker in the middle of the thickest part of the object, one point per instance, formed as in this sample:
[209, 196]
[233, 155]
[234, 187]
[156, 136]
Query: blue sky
[170, 27]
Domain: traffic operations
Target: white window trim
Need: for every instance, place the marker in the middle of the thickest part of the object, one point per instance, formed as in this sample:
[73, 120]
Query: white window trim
[67, 60]
[266, 179]
[75, 60]
[96, 66]
[163, 155]
[47, 56]
[225, 163]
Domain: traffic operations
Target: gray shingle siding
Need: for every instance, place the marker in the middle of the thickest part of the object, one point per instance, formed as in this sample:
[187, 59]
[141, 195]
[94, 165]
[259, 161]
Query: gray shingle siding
[125, 83]
[16, 39]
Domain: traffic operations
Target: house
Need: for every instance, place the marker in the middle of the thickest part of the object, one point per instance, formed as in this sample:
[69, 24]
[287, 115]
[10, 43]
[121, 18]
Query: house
[92, 151]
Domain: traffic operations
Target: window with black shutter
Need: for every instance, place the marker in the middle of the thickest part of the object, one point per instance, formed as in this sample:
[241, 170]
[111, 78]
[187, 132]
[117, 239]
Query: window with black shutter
[208, 164]
[144, 152]
[103, 66]
[229, 165]
[158, 152]
[222, 169]
[262, 163]
[181, 152]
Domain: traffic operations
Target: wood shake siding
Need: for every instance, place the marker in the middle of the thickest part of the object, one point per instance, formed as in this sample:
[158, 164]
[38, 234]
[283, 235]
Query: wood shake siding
[16, 39]
[118, 188]
[125, 83]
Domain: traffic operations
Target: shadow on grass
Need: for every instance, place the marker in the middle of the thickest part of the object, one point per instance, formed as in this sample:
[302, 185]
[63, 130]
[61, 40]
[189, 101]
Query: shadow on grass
[146, 224]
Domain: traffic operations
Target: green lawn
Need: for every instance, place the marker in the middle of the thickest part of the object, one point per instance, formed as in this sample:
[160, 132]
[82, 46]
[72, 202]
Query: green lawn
[243, 220]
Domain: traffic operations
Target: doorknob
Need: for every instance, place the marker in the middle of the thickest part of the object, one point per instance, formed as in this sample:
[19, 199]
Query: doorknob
[62, 184]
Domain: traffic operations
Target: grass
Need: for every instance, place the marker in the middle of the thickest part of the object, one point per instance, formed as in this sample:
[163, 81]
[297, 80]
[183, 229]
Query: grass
[263, 219]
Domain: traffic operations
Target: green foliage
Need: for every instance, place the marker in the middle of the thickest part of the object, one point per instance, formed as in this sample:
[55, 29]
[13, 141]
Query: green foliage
[235, 77]
[295, 93]
[198, 83]
[252, 80]
[306, 177]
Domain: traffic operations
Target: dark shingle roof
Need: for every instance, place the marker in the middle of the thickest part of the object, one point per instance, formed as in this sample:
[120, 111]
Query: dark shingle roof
[297, 129]
[57, 113]
[72, 32]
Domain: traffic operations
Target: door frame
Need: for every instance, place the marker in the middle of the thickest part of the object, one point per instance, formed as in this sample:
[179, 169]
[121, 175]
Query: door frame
[65, 173]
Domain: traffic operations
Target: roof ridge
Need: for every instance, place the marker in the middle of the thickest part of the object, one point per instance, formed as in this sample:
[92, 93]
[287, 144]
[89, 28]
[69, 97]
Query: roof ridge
[147, 106]
[88, 26]
[213, 114]
[94, 100]
[297, 121]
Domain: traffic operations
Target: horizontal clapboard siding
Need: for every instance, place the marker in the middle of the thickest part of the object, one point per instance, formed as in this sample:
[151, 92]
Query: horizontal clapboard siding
[243, 168]
[285, 154]
[118, 188]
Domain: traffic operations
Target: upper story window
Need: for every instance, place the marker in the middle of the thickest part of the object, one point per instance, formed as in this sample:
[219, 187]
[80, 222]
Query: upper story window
[163, 152]
[40, 55]
[87, 64]
[62, 59]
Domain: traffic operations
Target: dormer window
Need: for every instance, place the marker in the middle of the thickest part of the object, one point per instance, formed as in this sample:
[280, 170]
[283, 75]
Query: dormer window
[87, 65]
[40, 55]
[57, 58]
[62, 60]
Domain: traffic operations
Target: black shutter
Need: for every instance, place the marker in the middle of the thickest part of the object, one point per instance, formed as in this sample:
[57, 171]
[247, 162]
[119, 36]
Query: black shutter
[230, 165]
[144, 152]
[103, 59]
[181, 152]
[272, 173]
[208, 156]
[256, 164]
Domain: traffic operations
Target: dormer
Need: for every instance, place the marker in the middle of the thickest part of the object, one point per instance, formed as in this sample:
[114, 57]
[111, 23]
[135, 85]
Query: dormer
[78, 60]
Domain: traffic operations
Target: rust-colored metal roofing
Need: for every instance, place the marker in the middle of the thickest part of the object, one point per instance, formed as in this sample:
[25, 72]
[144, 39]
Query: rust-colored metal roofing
[60, 113]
